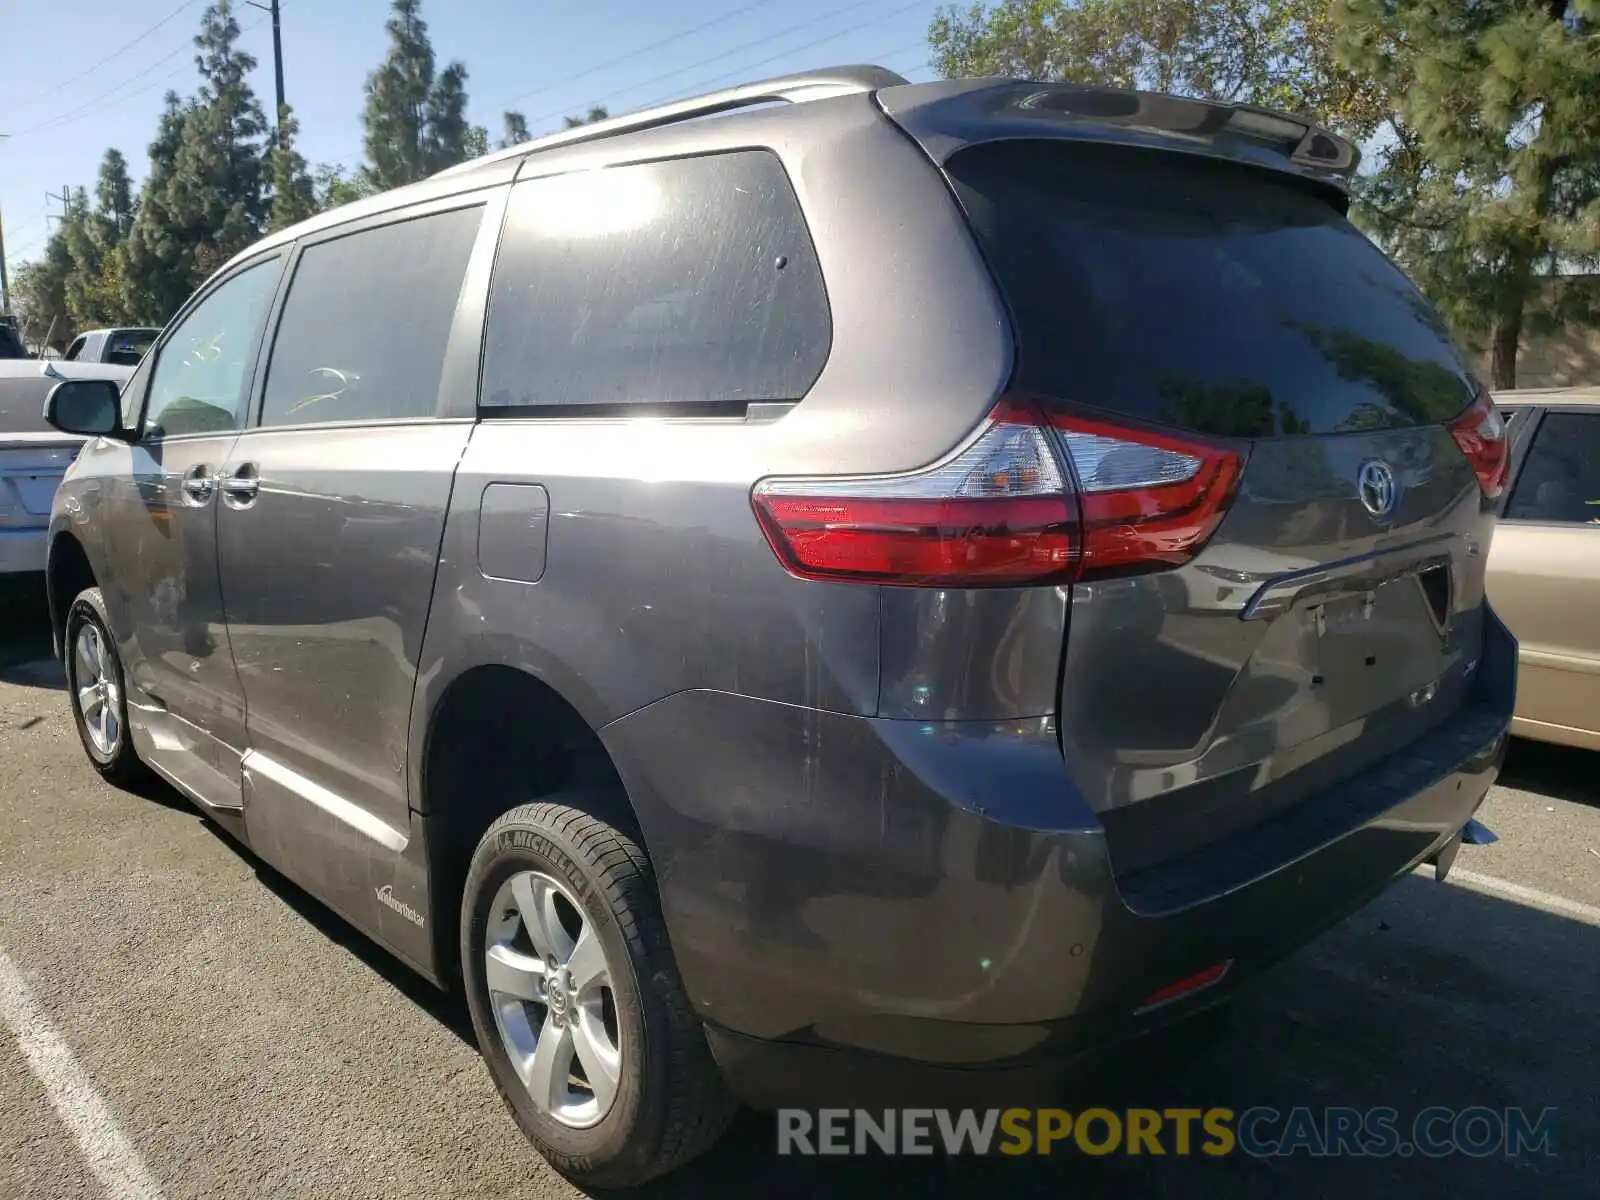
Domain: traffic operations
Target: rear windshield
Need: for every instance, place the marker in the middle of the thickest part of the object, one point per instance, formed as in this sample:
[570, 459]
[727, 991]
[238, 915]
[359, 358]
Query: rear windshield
[1201, 294]
[126, 347]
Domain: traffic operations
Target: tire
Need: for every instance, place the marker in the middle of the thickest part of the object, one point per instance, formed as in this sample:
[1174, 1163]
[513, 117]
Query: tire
[668, 1102]
[113, 756]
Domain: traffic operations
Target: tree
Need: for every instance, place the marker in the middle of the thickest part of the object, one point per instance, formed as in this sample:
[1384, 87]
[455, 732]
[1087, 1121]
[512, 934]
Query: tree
[39, 293]
[151, 287]
[515, 126]
[333, 187]
[205, 199]
[1273, 52]
[294, 195]
[597, 112]
[1487, 190]
[415, 122]
[114, 193]
[93, 286]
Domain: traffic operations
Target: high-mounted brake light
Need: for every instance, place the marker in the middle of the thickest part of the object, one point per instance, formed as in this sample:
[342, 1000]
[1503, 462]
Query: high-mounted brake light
[1481, 434]
[1007, 509]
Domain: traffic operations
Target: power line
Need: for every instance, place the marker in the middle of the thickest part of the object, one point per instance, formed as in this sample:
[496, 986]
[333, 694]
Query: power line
[66, 117]
[34, 218]
[88, 107]
[766, 39]
[112, 57]
[747, 68]
[550, 116]
[632, 54]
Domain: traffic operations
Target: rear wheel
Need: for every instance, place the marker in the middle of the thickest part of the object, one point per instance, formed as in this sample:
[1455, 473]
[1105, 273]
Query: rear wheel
[576, 1001]
[96, 692]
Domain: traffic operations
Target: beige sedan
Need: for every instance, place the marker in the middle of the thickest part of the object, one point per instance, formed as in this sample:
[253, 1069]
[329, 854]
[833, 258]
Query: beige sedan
[1544, 567]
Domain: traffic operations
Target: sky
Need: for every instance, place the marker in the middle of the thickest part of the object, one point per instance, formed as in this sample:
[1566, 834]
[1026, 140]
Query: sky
[79, 76]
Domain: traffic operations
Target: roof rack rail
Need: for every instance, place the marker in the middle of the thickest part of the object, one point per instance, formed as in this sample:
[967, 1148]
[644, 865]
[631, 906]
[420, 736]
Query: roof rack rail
[796, 89]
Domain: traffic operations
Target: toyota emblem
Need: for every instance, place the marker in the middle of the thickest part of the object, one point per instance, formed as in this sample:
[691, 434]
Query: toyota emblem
[1378, 489]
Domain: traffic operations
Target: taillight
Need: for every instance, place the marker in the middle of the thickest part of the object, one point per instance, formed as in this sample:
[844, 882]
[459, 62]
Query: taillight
[1147, 499]
[1481, 434]
[998, 512]
[1006, 509]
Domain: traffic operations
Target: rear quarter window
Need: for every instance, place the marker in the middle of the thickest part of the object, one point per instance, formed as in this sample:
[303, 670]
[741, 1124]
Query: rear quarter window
[1202, 294]
[678, 283]
[1560, 481]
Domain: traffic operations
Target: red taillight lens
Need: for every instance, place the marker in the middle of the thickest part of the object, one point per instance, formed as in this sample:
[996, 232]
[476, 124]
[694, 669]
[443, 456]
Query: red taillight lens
[1148, 499]
[1005, 510]
[996, 513]
[1481, 434]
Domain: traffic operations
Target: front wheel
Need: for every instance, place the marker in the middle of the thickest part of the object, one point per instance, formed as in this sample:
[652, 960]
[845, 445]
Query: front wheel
[96, 692]
[576, 1000]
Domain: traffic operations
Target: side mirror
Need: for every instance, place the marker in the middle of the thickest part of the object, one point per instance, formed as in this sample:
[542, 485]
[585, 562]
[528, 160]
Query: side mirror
[88, 407]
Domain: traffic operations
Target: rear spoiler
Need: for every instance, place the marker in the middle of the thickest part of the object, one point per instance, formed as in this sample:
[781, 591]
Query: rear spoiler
[946, 117]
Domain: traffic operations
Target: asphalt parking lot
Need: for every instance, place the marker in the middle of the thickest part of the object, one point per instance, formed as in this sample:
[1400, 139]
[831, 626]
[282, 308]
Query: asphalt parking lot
[221, 1034]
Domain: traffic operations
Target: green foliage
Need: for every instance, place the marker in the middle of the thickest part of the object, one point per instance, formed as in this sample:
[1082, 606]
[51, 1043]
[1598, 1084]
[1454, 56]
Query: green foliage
[294, 194]
[78, 283]
[333, 187]
[1487, 189]
[205, 198]
[516, 132]
[415, 121]
[39, 295]
[114, 193]
[151, 288]
[1273, 52]
[597, 112]
[1481, 122]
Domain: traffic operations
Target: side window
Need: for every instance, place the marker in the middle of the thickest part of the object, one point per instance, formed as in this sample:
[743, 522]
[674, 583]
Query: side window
[75, 349]
[201, 376]
[1560, 479]
[366, 322]
[687, 281]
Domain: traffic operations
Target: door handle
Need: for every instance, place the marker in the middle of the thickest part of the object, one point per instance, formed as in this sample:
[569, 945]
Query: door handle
[198, 486]
[241, 486]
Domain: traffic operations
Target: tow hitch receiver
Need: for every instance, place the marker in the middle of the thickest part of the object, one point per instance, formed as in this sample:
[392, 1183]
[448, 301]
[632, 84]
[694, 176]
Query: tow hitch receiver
[1473, 833]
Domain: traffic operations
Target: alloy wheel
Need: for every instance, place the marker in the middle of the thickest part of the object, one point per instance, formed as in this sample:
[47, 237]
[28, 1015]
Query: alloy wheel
[551, 993]
[98, 698]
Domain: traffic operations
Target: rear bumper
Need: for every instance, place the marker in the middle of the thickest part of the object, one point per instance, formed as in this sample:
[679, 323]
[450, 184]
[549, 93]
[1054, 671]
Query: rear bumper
[865, 909]
[22, 551]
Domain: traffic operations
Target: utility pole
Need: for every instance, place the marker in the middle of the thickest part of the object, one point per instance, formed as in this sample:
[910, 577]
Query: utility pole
[277, 59]
[66, 204]
[5, 281]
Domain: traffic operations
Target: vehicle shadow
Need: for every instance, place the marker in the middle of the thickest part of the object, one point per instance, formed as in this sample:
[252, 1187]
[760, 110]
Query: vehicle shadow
[25, 651]
[447, 1008]
[1434, 995]
[1561, 771]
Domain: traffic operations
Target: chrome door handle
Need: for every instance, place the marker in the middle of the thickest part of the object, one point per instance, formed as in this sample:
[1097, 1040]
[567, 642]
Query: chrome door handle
[198, 486]
[242, 486]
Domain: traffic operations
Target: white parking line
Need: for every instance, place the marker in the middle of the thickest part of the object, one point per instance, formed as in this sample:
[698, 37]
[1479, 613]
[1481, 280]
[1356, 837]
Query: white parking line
[109, 1153]
[1489, 885]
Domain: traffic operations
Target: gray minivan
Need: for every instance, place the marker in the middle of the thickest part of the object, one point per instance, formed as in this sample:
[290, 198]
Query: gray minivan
[886, 594]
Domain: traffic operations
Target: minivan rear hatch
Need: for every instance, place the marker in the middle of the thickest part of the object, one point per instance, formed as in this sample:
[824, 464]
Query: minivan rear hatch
[1335, 613]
